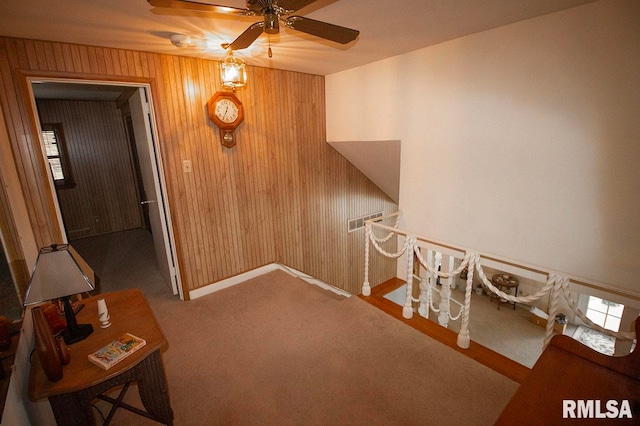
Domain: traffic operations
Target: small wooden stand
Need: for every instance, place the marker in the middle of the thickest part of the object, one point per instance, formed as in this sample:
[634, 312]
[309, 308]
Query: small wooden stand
[82, 381]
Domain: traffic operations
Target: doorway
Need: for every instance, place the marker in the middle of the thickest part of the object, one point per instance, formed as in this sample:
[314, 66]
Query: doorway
[100, 141]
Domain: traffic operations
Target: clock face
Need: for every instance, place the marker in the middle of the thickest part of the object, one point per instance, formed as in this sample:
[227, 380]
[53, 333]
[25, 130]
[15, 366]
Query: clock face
[226, 110]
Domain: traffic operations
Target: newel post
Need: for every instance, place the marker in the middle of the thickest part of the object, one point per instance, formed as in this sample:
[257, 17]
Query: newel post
[366, 287]
[463, 337]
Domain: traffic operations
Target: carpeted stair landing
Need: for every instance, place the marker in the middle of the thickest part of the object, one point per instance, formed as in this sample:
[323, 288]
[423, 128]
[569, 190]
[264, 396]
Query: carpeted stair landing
[276, 350]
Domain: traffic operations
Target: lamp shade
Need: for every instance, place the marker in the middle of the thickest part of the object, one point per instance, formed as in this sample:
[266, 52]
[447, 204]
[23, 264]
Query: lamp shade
[233, 72]
[58, 273]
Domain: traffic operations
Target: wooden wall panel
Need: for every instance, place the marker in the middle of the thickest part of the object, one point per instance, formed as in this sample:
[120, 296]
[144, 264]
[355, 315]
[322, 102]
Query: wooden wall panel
[282, 194]
[105, 198]
[18, 122]
[10, 247]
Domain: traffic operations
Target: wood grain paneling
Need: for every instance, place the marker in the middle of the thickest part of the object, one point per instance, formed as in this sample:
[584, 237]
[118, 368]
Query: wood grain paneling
[10, 246]
[282, 194]
[105, 198]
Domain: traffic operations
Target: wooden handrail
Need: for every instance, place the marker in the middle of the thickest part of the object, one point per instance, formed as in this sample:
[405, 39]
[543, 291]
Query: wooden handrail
[460, 251]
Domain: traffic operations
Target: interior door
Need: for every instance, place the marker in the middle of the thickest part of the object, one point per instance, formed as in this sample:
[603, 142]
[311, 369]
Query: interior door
[145, 147]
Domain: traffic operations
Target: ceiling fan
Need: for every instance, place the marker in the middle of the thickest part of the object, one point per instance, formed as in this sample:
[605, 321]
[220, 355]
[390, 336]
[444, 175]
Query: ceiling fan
[274, 12]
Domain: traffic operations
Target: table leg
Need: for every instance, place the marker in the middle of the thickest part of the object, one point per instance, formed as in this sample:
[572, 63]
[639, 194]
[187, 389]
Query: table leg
[72, 409]
[154, 392]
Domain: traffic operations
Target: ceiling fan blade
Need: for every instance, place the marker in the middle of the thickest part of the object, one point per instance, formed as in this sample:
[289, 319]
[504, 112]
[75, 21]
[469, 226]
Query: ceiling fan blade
[194, 5]
[321, 29]
[292, 5]
[249, 35]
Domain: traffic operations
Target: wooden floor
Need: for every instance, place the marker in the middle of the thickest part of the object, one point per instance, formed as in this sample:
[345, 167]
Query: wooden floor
[500, 363]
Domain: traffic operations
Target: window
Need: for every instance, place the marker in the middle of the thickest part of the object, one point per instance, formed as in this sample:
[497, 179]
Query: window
[54, 145]
[604, 313]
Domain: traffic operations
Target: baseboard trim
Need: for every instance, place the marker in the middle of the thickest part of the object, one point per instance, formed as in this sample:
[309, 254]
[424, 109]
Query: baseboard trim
[231, 281]
[237, 279]
[314, 281]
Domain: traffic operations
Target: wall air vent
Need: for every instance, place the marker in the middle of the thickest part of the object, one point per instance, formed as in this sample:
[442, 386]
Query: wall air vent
[358, 222]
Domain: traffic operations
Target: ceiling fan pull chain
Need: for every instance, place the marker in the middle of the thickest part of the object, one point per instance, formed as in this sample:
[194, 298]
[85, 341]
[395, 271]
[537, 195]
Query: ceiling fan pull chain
[269, 51]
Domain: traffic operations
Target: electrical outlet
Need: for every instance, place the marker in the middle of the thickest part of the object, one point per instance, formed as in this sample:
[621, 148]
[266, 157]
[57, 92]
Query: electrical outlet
[186, 166]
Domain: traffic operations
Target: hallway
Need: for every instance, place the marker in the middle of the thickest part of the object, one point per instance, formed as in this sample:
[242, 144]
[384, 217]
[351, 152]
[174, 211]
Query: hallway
[123, 260]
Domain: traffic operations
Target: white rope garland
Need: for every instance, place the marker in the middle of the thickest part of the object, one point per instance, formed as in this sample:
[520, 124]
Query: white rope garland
[389, 235]
[464, 340]
[366, 286]
[370, 237]
[433, 271]
[562, 284]
[555, 285]
[554, 302]
[457, 271]
[551, 280]
[402, 251]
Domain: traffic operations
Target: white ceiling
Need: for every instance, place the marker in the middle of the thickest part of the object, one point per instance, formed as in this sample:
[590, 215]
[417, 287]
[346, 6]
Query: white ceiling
[387, 28]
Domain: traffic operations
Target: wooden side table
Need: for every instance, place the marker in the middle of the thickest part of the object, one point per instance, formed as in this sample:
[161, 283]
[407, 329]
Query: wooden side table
[504, 282]
[83, 381]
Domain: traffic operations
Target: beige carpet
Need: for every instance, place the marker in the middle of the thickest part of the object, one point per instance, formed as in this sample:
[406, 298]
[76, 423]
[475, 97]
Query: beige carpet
[507, 331]
[276, 350]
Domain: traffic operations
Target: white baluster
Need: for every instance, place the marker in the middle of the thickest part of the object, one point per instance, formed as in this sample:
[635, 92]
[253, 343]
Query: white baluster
[407, 310]
[423, 310]
[445, 291]
[429, 267]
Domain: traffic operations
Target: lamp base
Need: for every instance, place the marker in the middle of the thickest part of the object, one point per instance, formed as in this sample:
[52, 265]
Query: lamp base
[83, 331]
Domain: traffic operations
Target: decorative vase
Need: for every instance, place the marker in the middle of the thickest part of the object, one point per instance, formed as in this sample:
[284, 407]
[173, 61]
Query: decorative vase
[103, 313]
[46, 346]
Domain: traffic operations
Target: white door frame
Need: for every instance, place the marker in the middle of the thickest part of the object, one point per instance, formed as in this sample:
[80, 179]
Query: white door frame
[155, 157]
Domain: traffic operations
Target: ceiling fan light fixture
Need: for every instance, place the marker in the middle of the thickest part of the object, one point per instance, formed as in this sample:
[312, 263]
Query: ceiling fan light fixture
[272, 12]
[233, 72]
[271, 23]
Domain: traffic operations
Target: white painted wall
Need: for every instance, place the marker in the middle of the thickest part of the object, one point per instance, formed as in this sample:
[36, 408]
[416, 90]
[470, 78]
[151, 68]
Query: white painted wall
[522, 141]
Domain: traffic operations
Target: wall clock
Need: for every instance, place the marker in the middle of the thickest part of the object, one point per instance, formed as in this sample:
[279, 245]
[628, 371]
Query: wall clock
[225, 110]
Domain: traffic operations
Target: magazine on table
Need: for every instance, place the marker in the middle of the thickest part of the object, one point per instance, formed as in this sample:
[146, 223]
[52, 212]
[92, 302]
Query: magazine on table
[109, 355]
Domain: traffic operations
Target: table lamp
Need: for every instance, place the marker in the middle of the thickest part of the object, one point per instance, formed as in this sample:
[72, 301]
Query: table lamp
[58, 275]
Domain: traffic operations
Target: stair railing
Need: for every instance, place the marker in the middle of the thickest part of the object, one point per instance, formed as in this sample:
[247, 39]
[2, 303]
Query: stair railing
[557, 285]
